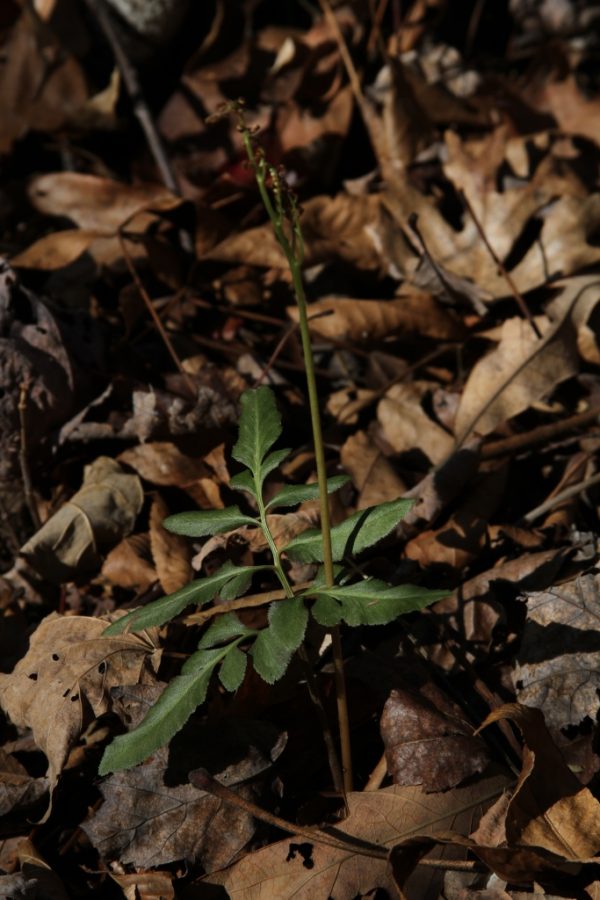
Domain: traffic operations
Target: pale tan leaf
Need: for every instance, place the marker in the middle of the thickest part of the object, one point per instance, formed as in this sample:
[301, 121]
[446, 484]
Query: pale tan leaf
[56, 250]
[520, 371]
[99, 204]
[172, 553]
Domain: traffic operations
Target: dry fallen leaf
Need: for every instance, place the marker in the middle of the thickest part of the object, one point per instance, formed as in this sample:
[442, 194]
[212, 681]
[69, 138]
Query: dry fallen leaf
[293, 867]
[373, 476]
[103, 510]
[129, 564]
[68, 670]
[520, 371]
[406, 426]
[152, 815]
[549, 807]
[364, 320]
[558, 664]
[99, 204]
[171, 553]
[427, 740]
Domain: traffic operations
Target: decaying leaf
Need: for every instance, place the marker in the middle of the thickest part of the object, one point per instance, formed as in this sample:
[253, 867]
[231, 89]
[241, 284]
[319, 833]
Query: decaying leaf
[427, 741]
[129, 564]
[19, 791]
[103, 510]
[67, 672]
[558, 665]
[151, 815]
[549, 807]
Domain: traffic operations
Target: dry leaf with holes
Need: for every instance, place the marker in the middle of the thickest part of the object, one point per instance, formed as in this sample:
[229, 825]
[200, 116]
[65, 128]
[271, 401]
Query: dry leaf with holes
[67, 672]
[291, 867]
[172, 553]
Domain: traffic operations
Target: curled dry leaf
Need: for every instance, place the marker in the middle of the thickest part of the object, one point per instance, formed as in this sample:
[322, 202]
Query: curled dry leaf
[558, 665]
[427, 740]
[549, 807]
[406, 426]
[146, 885]
[363, 320]
[67, 672]
[294, 867]
[172, 553]
[102, 511]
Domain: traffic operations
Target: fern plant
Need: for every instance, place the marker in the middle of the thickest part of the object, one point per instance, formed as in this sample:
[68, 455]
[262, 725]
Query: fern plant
[227, 643]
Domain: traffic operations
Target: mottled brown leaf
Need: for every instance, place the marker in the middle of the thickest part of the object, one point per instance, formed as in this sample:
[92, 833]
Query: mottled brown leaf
[171, 553]
[428, 742]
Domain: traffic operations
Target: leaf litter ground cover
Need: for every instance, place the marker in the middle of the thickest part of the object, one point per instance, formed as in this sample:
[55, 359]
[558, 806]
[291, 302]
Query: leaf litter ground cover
[446, 165]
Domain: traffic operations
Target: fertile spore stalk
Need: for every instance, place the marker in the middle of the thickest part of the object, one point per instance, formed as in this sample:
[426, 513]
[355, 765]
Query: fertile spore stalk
[282, 208]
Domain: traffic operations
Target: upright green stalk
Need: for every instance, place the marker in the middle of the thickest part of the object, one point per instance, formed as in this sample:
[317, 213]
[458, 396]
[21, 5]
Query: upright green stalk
[285, 209]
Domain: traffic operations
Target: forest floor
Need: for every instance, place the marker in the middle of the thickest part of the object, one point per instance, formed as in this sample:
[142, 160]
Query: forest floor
[446, 160]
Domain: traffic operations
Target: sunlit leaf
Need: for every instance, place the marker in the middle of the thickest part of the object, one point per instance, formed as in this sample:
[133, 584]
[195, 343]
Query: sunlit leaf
[360, 531]
[371, 602]
[204, 522]
[291, 494]
[198, 592]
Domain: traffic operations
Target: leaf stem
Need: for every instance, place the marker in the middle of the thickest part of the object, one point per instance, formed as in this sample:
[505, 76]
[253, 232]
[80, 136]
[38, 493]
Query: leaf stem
[311, 681]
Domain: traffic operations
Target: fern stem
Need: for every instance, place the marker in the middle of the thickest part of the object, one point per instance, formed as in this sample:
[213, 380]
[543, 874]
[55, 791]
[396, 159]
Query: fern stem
[294, 252]
[336, 641]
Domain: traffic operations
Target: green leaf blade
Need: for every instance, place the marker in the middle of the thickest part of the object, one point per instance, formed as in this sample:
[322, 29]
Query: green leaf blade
[206, 522]
[372, 602]
[260, 427]
[233, 669]
[198, 593]
[287, 622]
[168, 715]
[291, 494]
[359, 532]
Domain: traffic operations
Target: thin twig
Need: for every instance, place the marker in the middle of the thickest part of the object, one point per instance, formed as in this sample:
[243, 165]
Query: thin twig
[132, 84]
[23, 454]
[345, 54]
[202, 780]
[501, 267]
[377, 775]
[540, 435]
[555, 501]
[155, 317]
[329, 836]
